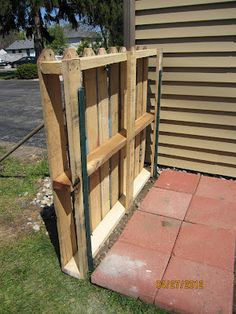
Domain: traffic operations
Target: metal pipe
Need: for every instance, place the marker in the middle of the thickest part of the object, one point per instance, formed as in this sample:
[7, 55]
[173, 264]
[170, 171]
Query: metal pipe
[85, 178]
[26, 138]
[157, 125]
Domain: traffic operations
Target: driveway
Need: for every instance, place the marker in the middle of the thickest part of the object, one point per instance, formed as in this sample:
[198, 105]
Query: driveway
[21, 112]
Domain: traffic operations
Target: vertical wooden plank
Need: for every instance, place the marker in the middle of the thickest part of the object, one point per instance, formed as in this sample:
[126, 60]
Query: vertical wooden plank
[50, 89]
[114, 120]
[72, 82]
[129, 23]
[144, 109]
[103, 122]
[138, 112]
[130, 122]
[156, 110]
[90, 83]
[122, 119]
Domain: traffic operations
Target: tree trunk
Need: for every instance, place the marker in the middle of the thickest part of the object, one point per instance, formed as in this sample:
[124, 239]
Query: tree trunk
[38, 39]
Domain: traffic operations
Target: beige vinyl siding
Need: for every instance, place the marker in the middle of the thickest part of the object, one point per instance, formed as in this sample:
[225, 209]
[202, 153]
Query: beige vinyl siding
[198, 105]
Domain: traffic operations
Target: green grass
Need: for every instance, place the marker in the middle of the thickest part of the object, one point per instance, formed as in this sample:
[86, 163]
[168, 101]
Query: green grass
[31, 282]
[30, 277]
[7, 75]
[17, 178]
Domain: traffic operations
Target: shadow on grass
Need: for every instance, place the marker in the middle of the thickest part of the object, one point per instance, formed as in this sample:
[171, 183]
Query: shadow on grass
[50, 220]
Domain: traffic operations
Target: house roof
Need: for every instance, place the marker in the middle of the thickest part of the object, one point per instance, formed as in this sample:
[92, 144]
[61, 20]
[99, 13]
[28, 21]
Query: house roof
[21, 44]
[69, 33]
[73, 33]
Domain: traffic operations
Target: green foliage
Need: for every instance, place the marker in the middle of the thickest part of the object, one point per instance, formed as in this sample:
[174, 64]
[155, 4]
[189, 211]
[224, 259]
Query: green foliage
[27, 71]
[27, 16]
[108, 15]
[85, 43]
[21, 35]
[7, 75]
[59, 42]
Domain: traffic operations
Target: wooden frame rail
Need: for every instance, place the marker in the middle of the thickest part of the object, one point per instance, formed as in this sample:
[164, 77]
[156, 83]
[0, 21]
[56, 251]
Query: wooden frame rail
[96, 143]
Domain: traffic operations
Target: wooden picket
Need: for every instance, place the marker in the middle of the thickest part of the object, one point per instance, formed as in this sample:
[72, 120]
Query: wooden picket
[107, 146]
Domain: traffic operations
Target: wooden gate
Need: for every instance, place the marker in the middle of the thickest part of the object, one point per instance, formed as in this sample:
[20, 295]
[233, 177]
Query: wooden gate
[95, 121]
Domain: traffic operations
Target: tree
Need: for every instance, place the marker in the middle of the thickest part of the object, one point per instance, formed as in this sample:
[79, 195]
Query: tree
[59, 43]
[33, 16]
[107, 14]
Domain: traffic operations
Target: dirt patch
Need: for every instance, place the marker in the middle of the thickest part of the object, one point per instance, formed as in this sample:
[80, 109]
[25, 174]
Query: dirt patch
[25, 152]
[27, 221]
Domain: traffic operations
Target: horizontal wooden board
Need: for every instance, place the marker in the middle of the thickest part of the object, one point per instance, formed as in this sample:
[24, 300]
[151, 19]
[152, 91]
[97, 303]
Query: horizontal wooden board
[171, 161]
[202, 130]
[188, 16]
[157, 4]
[196, 77]
[183, 32]
[200, 105]
[203, 117]
[204, 46]
[188, 142]
[196, 62]
[196, 154]
[197, 90]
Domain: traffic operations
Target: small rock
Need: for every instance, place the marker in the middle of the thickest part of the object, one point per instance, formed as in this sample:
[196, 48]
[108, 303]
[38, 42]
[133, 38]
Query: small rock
[36, 227]
[29, 223]
[26, 193]
[29, 218]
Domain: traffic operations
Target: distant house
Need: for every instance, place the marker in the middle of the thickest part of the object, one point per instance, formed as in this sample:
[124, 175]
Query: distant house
[74, 37]
[23, 48]
[19, 49]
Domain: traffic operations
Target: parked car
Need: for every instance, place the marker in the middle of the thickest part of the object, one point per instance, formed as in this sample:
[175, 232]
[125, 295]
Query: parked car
[3, 63]
[23, 60]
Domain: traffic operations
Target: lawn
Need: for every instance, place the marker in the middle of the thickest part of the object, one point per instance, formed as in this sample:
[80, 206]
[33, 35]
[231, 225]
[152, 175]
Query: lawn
[7, 75]
[31, 280]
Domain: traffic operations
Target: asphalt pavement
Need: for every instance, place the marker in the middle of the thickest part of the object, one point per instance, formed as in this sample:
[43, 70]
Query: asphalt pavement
[20, 111]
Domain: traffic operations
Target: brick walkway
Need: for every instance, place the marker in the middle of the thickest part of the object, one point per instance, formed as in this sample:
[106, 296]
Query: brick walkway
[184, 230]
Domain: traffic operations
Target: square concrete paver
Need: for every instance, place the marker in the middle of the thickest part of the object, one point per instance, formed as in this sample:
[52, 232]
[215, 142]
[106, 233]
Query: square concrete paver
[167, 203]
[218, 189]
[212, 212]
[184, 230]
[207, 245]
[151, 231]
[178, 181]
[131, 270]
[216, 296]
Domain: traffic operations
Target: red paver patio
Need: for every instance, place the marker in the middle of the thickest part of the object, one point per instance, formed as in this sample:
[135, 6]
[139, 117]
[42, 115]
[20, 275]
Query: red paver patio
[212, 212]
[170, 203]
[185, 229]
[144, 227]
[206, 245]
[178, 181]
[216, 296]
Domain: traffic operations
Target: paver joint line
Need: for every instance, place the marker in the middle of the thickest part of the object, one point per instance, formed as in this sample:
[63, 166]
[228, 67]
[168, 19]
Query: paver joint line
[145, 255]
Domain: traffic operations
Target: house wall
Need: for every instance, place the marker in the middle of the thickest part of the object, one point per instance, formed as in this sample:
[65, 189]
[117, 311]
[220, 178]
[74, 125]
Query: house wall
[198, 105]
[13, 55]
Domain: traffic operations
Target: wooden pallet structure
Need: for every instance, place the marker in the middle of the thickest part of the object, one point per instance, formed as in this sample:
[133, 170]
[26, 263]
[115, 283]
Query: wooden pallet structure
[95, 114]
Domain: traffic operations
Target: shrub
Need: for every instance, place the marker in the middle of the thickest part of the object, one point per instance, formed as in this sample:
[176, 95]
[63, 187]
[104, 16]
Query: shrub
[27, 71]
